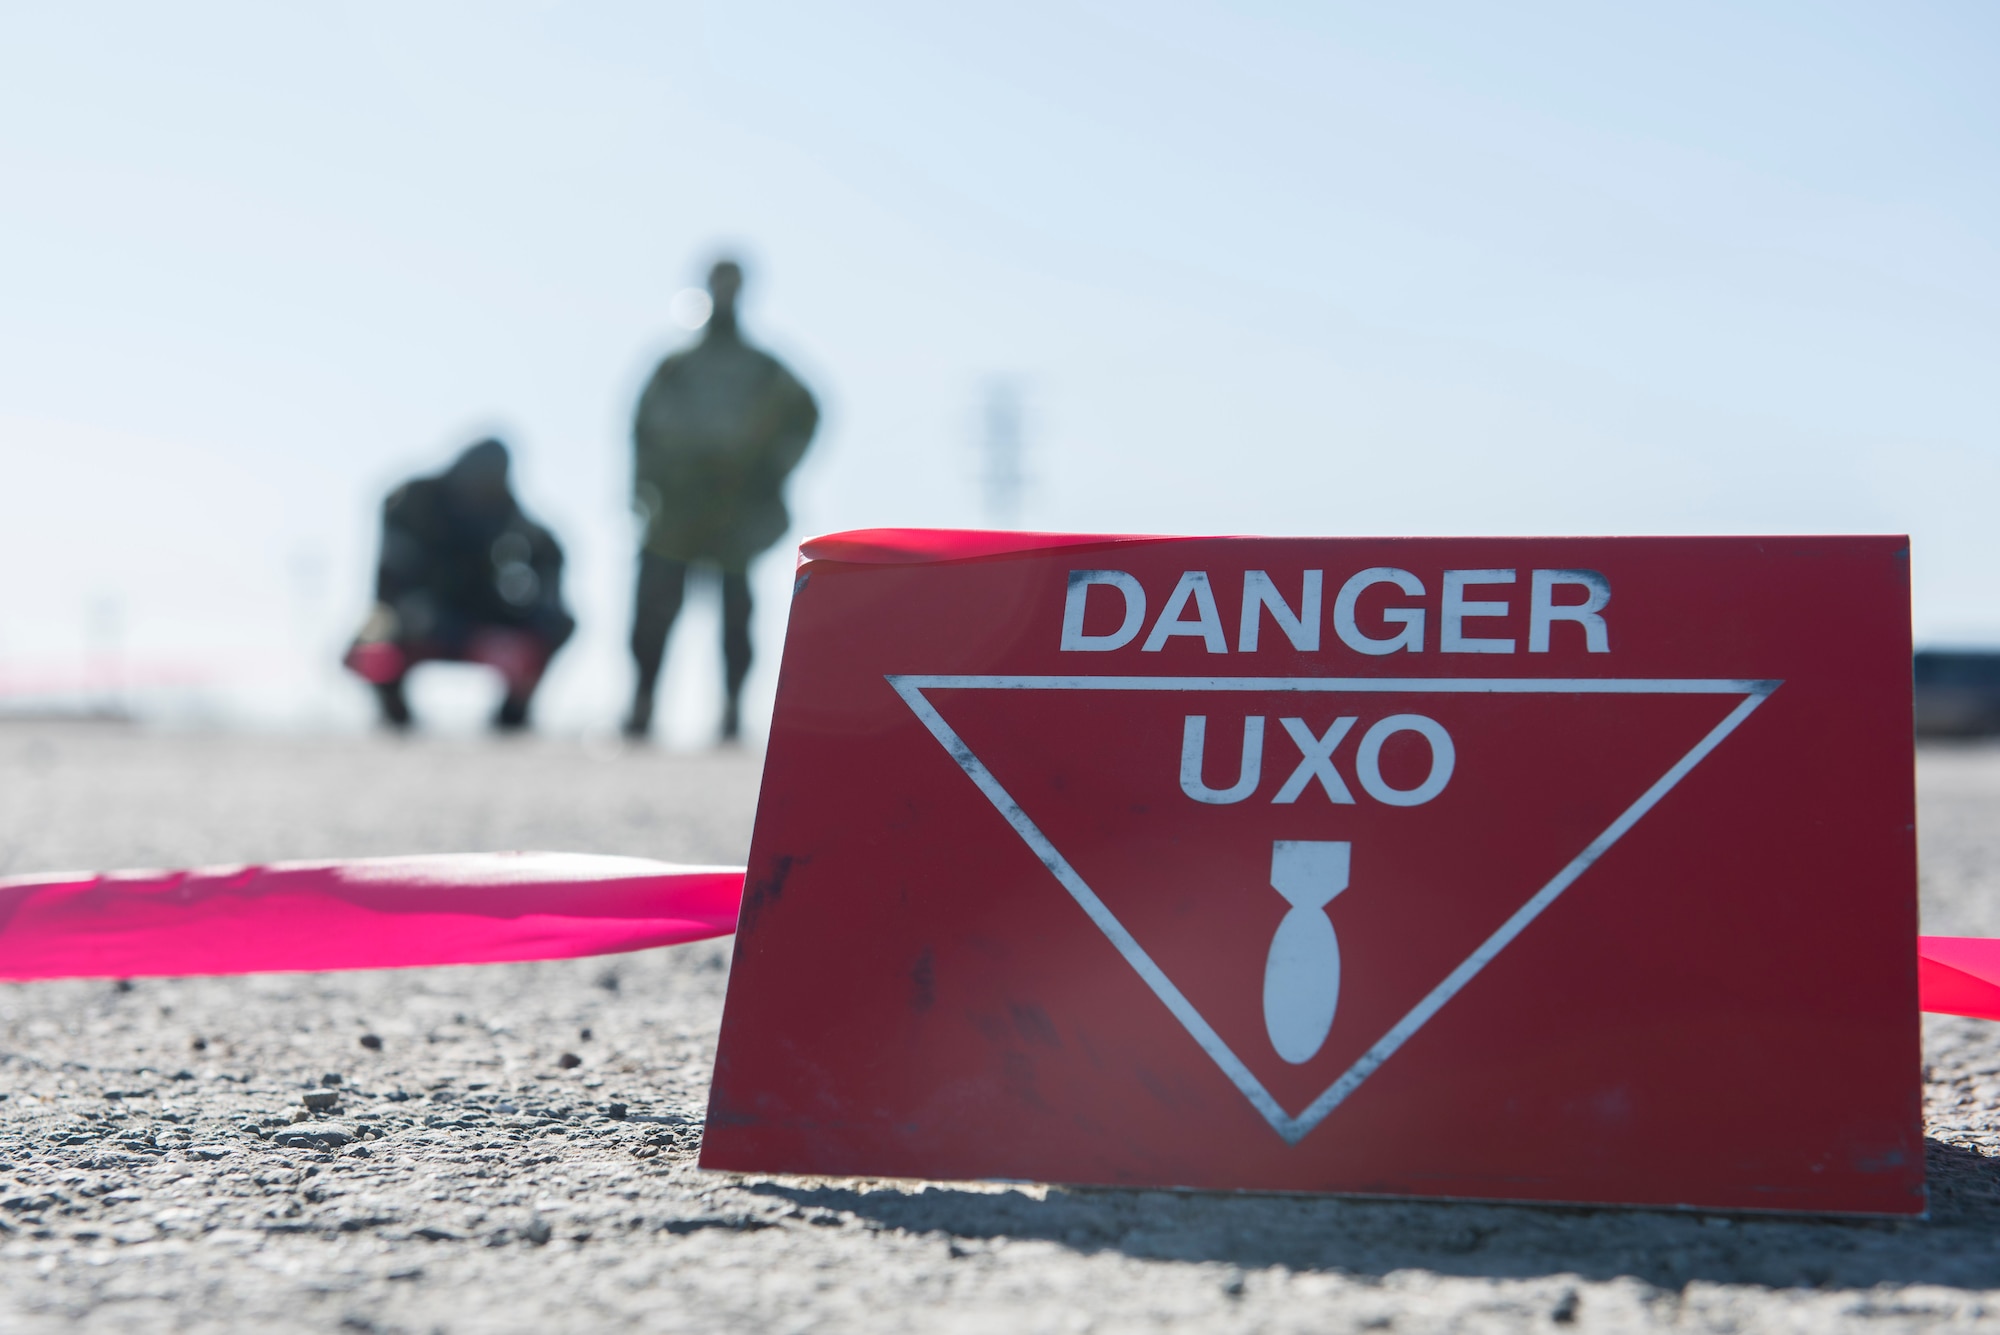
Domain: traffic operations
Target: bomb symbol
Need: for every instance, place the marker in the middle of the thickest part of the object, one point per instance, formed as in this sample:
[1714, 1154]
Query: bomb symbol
[1302, 972]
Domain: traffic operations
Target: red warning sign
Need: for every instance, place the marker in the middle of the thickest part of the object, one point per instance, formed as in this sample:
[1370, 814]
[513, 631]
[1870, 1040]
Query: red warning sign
[1534, 869]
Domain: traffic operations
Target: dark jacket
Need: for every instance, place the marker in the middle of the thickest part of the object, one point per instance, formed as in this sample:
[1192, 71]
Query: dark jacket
[450, 565]
[719, 428]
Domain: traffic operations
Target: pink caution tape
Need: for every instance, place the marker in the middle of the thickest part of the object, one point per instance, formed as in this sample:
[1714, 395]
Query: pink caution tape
[907, 546]
[371, 913]
[1959, 975]
[483, 908]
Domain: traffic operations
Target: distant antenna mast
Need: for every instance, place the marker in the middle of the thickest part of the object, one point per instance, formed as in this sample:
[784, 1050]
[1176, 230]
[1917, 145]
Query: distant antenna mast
[107, 645]
[1002, 481]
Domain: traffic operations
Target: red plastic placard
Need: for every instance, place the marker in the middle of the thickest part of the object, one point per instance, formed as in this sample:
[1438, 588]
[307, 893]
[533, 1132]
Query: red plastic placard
[1533, 869]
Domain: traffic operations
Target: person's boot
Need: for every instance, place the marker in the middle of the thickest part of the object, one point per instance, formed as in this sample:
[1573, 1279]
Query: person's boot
[395, 707]
[513, 715]
[640, 721]
[732, 722]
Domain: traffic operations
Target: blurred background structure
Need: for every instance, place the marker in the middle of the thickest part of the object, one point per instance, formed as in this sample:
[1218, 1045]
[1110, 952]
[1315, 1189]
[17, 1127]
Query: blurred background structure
[1003, 479]
[1337, 268]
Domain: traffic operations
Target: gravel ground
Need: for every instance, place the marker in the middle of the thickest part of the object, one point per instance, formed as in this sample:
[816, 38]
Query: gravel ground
[511, 1147]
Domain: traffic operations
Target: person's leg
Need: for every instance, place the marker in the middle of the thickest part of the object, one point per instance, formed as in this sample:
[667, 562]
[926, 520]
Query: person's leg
[512, 716]
[735, 647]
[531, 648]
[662, 584]
[520, 655]
[378, 659]
[395, 706]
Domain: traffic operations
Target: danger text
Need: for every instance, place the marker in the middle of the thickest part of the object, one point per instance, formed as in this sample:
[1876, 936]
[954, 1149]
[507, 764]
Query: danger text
[1381, 610]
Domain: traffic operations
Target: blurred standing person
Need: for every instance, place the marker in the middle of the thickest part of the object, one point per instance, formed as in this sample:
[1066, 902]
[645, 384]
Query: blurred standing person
[719, 428]
[466, 577]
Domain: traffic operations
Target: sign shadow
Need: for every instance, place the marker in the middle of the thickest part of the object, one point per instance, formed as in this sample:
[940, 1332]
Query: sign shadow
[1665, 1249]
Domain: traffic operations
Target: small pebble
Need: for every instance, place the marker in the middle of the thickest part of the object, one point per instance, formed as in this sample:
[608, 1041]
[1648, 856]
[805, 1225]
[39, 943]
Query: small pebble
[199, 1045]
[615, 1111]
[330, 1080]
[583, 1034]
[569, 1061]
[372, 1042]
[319, 1100]
[315, 1136]
[537, 1231]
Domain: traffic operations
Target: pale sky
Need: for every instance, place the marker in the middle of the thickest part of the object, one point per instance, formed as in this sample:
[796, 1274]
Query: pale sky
[1260, 268]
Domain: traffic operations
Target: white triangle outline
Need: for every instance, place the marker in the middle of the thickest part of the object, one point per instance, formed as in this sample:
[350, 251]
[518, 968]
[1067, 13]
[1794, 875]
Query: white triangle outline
[1294, 1129]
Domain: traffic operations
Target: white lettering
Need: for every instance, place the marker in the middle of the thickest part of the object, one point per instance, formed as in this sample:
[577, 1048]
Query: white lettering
[1368, 760]
[1451, 635]
[1260, 593]
[1194, 738]
[1411, 619]
[1208, 625]
[1080, 581]
[1318, 762]
[1544, 610]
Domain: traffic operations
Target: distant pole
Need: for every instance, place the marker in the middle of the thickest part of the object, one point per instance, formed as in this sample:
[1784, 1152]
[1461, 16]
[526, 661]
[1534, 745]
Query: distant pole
[106, 622]
[1002, 480]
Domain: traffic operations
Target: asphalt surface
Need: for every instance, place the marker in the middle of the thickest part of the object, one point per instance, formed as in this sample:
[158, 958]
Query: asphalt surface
[512, 1147]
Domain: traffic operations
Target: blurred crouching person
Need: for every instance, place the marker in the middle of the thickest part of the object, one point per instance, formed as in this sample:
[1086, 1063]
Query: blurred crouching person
[719, 428]
[465, 577]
